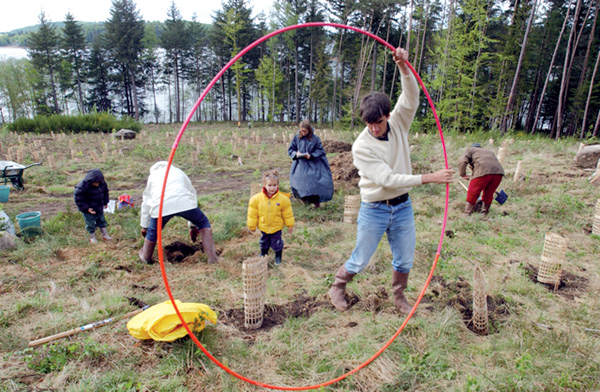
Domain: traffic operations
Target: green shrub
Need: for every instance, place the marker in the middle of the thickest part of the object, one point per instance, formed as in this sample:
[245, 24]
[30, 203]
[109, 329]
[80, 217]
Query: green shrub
[92, 122]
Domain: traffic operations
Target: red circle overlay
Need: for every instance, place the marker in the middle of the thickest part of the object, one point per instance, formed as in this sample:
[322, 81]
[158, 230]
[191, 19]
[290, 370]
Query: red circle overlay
[162, 195]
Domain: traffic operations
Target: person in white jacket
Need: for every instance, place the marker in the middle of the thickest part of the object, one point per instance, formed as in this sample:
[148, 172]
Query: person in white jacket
[381, 154]
[180, 200]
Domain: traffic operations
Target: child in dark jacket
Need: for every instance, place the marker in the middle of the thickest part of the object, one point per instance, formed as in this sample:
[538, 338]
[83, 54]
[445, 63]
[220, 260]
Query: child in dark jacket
[91, 197]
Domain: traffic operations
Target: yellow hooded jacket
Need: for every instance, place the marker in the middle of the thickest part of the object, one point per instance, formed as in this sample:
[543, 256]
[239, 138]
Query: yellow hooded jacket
[270, 215]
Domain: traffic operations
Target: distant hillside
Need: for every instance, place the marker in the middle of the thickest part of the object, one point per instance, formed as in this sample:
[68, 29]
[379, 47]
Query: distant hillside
[18, 37]
[91, 30]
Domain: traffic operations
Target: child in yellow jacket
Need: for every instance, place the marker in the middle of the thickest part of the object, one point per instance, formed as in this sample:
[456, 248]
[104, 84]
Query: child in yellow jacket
[270, 210]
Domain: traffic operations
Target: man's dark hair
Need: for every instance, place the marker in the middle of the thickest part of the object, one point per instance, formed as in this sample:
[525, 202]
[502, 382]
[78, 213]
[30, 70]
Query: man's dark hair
[373, 107]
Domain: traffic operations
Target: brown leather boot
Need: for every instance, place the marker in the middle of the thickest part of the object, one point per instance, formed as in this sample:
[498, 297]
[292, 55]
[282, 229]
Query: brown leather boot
[469, 208]
[399, 284]
[485, 208]
[338, 288]
[209, 245]
[147, 251]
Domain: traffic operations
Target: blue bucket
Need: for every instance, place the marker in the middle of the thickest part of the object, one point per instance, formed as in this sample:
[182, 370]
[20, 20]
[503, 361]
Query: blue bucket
[30, 223]
[4, 192]
[501, 196]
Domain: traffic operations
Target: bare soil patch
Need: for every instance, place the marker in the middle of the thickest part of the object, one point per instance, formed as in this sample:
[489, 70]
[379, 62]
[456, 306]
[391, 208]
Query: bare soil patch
[177, 251]
[459, 296]
[570, 285]
[302, 306]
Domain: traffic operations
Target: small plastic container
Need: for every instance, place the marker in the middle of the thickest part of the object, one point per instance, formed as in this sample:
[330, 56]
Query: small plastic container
[4, 192]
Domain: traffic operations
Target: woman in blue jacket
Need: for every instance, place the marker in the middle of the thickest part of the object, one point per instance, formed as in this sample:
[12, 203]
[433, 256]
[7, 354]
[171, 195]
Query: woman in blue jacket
[310, 175]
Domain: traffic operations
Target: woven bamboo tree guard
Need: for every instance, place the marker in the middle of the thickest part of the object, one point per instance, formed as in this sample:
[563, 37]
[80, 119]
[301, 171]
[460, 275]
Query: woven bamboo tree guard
[501, 154]
[517, 172]
[351, 207]
[254, 275]
[596, 227]
[553, 257]
[480, 309]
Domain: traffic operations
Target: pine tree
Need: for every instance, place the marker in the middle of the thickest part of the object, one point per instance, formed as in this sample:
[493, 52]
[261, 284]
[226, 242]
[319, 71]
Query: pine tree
[124, 35]
[74, 51]
[44, 53]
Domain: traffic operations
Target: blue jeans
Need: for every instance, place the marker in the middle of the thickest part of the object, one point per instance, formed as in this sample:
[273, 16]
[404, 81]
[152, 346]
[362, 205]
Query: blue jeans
[375, 219]
[195, 215]
[273, 240]
[93, 221]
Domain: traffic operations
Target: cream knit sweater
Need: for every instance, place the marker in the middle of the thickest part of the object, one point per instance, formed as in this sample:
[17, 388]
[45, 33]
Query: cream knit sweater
[384, 166]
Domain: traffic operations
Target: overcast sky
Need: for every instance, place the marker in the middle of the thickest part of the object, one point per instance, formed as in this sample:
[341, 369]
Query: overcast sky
[15, 14]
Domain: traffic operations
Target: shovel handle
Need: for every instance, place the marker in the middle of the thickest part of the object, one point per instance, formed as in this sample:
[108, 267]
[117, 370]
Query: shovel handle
[86, 327]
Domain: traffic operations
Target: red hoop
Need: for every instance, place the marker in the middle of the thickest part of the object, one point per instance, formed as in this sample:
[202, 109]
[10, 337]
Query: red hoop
[162, 195]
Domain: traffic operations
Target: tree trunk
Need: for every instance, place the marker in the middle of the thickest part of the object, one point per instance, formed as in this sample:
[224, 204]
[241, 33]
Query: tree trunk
[423, 39]
[566, 76]
[449, 34]
[539, 108]
[297, 94]
[385, 53]
[597, 126]
[584, 66]
[310, 68]
[409, 26]
[177, 91]
[589, 98]
[136, 110]
[513, 89]
[80, 91]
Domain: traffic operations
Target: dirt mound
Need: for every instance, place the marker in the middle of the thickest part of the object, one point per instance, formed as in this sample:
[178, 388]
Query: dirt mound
[343, 170]
[336, 146]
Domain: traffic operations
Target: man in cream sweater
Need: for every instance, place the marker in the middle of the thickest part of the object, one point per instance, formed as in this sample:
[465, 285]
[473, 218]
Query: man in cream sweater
[382, 156]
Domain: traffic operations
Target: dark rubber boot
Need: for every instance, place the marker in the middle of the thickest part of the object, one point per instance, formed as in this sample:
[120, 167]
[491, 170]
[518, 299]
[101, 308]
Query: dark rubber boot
[278, 257]
[338, 288]
[209, 245]
[147, 251]
[399, 284]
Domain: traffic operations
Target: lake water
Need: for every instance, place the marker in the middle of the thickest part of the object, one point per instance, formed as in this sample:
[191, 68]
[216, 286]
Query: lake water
[12, 51]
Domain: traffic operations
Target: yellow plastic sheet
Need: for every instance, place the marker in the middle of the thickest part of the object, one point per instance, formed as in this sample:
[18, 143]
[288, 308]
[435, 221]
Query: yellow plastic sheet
[160, 322]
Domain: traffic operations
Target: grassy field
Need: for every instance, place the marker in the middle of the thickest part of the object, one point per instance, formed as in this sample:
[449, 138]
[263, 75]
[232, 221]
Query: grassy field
[539, 338]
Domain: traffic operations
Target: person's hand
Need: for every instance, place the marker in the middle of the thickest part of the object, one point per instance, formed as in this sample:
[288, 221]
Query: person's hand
[290, 229]
[144, 232]
[401, 57]
[307, 156]
[466, 177]
[91, 211]
[443, 176]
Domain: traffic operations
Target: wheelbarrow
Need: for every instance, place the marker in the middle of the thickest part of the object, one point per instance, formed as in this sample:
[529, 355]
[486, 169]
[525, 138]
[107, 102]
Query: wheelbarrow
[14, 172]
